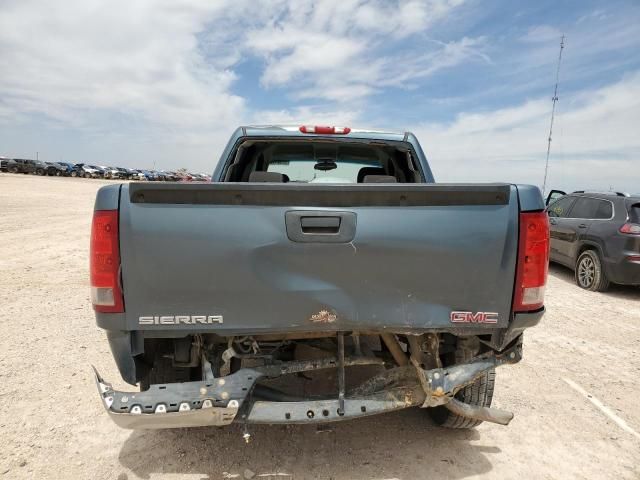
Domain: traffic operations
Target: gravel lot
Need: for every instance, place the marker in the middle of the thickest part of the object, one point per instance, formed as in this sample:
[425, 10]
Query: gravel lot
[54, 426]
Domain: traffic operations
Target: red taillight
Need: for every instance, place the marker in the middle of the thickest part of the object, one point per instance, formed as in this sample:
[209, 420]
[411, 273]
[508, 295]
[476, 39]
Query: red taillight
[106, 294]
[325, 130]
[630, 229]
[533, 262]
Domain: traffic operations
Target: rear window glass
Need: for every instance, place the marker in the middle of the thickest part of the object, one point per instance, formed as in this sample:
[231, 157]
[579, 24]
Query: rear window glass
[634, 213]
[591, 208]
[304, 163]
[605, 210]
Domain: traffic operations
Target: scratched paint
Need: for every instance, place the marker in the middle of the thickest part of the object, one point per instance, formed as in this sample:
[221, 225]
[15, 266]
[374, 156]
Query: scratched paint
[323, 316]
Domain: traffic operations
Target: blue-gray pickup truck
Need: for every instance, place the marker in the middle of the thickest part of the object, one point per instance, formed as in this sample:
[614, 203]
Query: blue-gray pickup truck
[322, 275]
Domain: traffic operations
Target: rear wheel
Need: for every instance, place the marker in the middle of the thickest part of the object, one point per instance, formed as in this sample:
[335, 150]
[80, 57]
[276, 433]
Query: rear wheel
[589, 272]
[41, 171]
[13, 169]
[479, 393]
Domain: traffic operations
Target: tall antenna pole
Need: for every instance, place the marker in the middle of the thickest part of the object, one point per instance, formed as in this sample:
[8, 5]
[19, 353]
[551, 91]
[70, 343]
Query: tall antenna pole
[553, 111]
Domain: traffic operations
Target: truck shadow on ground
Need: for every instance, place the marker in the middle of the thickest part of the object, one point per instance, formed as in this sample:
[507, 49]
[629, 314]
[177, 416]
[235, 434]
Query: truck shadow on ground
[565, 274]
[400, 445]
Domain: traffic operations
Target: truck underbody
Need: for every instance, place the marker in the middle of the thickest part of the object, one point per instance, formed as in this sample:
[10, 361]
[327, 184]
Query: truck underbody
[308, 378]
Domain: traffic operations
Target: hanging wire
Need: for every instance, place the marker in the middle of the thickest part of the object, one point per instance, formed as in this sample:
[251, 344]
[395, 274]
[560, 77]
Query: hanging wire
[553, 111]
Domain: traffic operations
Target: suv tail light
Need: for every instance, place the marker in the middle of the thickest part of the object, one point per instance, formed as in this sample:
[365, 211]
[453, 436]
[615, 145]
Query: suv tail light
[630, 229]
[324, 130]
[106, 294]
[533, 262]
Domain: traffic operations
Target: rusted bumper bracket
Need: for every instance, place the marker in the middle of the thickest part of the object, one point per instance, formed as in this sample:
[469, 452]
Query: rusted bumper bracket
[320, 411]
[441, 384]
[484, 414]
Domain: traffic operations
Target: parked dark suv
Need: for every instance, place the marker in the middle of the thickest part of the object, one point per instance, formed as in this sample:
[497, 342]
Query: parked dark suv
[57, 169]
[23, 165]
[598, 236]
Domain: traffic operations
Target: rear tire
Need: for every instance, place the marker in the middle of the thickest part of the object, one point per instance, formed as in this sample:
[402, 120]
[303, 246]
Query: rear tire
[14, 170]
[479, 393]
[163, 371]
[589, 272]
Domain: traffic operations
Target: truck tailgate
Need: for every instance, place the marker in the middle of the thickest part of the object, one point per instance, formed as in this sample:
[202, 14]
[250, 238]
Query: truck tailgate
[284, 257]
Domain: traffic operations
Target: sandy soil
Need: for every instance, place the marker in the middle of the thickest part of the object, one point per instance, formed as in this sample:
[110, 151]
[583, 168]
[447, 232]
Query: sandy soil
[54, 426]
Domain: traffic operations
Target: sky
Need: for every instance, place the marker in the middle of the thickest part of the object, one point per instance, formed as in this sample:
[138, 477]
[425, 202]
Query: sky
[159, 84]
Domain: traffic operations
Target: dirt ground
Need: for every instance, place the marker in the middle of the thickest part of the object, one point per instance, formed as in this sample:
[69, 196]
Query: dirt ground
[53, 425]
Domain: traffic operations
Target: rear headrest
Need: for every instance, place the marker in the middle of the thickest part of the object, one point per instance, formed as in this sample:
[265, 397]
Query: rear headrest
[268, 177]
[364, 171]
[380, 179]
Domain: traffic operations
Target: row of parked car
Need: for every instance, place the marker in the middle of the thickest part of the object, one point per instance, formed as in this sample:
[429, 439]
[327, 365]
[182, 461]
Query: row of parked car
[84, 170]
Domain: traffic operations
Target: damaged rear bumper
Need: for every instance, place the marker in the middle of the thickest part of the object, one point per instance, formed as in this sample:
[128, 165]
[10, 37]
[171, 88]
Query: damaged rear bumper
[175, 405]
[148, 410]
[221, 401]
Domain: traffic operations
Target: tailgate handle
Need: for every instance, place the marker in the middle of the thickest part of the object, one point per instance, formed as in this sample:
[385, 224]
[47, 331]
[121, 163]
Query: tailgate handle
[320, 226]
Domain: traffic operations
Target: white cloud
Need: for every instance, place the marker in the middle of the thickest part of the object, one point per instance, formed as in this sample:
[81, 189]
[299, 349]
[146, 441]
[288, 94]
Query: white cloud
[154, 79]
[308, 115]
[542, 33]
[335, 49]
[169, 66]
[414, 67]
[595, 141]
[71, 60]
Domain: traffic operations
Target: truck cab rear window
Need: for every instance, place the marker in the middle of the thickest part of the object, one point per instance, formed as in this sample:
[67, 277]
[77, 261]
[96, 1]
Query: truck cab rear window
[322, 162]
[331, 165]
